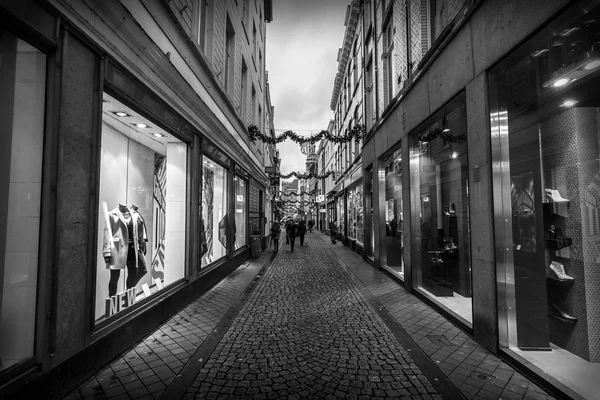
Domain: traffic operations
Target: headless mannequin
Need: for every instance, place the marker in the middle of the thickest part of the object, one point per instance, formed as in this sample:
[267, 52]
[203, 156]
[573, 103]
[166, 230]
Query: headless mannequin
[134, 275]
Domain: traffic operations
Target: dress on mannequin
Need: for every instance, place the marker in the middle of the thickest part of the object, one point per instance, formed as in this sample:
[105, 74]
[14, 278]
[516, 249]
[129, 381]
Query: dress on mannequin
[125, 246]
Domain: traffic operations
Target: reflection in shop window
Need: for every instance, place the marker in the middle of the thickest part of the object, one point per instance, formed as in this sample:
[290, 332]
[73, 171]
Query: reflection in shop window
[544, 102]
[394, 220]
[241, 187]
[142, 218]
[22, 83]
[444, 273]
[214, 211]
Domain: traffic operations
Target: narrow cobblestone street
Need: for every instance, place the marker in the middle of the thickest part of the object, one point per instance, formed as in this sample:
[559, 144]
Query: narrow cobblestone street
[318, 322]
[308, 332]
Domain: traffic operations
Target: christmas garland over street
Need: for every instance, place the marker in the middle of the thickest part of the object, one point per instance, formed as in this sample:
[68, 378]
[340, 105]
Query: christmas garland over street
[435, 133]
[295, 193]
[355, 133]
[301, 175]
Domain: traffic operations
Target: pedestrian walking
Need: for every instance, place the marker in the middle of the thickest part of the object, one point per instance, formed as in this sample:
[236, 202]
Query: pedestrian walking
[333, 229]
[275, 233]
[311, 223]
[301, 231]
[291, 230]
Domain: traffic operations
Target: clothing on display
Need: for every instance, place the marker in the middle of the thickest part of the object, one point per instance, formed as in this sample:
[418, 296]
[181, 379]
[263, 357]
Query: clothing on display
[124, 245]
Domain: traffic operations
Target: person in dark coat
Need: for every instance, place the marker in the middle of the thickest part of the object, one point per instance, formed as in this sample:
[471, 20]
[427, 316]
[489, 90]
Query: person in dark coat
[275, 232]
[311, 223]
[291, 230]
[333, 228]
[302, 231]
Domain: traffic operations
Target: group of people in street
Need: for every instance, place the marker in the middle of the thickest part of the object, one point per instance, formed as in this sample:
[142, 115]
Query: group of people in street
[293, 229]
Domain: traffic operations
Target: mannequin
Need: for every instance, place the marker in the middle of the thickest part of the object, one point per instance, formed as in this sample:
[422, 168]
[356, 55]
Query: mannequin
[125, 238]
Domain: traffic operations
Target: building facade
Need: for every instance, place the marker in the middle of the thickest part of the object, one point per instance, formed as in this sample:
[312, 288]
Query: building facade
[130, 185]
[479, 170]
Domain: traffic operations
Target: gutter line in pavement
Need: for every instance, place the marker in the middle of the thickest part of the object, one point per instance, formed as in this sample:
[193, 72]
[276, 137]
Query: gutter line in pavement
[436, 377]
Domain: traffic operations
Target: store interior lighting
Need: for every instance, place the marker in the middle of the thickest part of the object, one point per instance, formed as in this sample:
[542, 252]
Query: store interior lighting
[141, 125]
[567, 75]
[121, 114]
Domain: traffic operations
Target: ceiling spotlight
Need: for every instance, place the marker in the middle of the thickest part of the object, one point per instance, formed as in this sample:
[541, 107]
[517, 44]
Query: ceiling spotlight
[569, 103]
[121, 114]
[141, 125]
[454, 155]
[446, 130]
[156, 134]
[561, 82]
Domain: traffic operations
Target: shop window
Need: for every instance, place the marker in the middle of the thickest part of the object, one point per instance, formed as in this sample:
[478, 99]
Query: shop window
[440, 176]
[240, 236]
[545, 119]
[214, 211]
[394, 220]
[370, 226]
[22, 99]
[341, 215]
[355, 213]
[142, 217]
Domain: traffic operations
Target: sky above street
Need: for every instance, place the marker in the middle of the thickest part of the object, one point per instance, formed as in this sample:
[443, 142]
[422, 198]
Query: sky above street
[302, 45]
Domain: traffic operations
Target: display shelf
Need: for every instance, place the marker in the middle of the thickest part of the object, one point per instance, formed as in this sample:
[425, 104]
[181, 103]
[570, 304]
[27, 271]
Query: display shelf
[560, 283]
[566, 320]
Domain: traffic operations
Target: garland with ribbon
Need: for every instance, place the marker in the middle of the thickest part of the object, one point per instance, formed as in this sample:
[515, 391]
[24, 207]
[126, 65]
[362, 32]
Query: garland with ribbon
[295, 203]
[435, 133]
[295, 194]
[356, 133]
[301, 175]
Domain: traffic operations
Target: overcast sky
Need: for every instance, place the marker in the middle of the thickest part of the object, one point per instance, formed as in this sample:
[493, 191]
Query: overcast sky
[302, 44]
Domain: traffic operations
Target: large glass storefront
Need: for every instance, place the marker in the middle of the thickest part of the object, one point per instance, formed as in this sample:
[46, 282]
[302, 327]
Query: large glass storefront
[341, 215]
[545, 122]
[370, 222]
[355, 213]
[241, 213]
[394, 219]
[440, 188]
[214, 211]
[22, 110]
[142, 217]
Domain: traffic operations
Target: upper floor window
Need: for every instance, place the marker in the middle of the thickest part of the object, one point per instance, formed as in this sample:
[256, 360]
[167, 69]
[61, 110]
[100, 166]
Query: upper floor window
[229, 57]
[388, 62]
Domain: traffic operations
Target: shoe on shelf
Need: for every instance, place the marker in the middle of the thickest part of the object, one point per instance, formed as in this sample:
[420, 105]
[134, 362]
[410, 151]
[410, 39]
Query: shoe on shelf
[561, 314]
[559, 270]
[555, 196]
[446, 210]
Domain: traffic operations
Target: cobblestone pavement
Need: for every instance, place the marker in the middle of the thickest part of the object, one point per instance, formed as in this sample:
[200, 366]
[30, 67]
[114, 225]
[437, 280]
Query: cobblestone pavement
[316, 323]
[308, 332]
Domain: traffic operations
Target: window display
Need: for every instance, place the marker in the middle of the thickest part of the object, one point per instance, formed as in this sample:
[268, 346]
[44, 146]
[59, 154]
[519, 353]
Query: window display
[22, 110]
[545, 123]
[341, 215]
[394, 219]
[142, 218]
[441, 179]
[370, 227]
[240, 238]
[214, 211]
[358, 214]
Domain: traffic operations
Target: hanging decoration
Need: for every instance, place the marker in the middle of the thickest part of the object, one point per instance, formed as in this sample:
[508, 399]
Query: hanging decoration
[301, 175]
[356, 133]
[296, 203]
[295, 193]
[436, 132]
